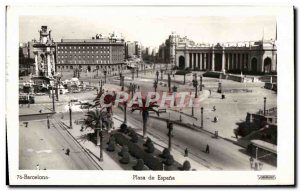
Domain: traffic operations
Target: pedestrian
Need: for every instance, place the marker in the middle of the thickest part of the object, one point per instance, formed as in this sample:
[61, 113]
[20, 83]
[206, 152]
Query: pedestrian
[214, 108]
[251, 162]
[37, 167]
[40, 111]
[68, 151]
[81, 128]
[186, 152]
[207, 148]
[26, 124]
[210, 92]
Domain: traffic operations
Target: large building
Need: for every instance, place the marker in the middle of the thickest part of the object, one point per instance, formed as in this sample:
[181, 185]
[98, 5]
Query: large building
[259, 56]
[133, 49]
[106, 53]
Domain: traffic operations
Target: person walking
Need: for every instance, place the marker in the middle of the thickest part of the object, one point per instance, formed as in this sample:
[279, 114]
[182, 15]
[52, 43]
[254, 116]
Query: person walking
[68, 151]
[186, 152]
[48, 122]
[207, 148]
[251, 162]
[37, 167]
[214, 108]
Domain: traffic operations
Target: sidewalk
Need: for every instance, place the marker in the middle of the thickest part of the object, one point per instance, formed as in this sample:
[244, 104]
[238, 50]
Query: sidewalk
[108, 163]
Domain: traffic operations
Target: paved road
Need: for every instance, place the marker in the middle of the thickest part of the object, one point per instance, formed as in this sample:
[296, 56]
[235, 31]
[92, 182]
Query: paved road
[47, 147]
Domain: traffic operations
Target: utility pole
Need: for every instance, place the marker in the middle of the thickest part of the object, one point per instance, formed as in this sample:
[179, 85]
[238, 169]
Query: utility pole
[265, 102]
[53, 104]
[170, 128]
[70, 112]
[201, 117]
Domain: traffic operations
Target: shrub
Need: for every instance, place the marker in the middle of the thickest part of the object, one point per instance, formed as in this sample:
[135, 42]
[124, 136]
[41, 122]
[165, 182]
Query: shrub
[150, 148]
[149, 160]
[123, 150]
[134, 137]
[165, 153]
[111, 139]
[125, 158]
[186, 165]
[148, 141]
[123, 128]
[169, 161]
[111, 146]
[139, 165]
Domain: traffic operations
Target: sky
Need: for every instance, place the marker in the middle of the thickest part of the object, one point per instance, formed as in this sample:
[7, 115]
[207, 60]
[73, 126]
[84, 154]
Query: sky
[150, 30]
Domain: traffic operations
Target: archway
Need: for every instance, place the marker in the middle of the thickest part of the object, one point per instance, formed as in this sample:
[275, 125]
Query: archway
[254, 65]
[267, 65]
[181, 62]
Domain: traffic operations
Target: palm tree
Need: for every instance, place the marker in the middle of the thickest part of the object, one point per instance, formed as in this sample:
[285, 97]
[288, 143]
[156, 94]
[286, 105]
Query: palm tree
[100, 122]
[144, 109]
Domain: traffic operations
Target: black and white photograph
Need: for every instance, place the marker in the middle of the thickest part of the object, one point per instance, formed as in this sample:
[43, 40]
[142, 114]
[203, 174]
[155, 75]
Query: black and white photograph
[150, 95]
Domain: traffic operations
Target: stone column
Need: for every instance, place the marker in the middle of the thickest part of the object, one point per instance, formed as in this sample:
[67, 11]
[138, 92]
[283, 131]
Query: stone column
[197, 65]
[213, 61]
[245, 61]
[192, 60]
[53, 62]
[205, 63]
[200, 58]
[186, 56]
[236, 61]
[36, 64]
[48, 65]
[223, 61]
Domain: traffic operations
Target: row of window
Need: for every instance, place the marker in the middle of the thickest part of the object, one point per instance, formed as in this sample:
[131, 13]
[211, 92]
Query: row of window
[83, 56]
[83, 47]
[83, 62]
[84, 52]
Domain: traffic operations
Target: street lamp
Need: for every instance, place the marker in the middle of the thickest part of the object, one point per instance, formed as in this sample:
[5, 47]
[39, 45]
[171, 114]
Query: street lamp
[201, 117]
[265, 102]
[174, 88]
[105, 73]
[155, 85]
[169, 82]
[195, 84]
[201, 83]
[157, 74]
[53, 104]
[70, 112]
[170, 128]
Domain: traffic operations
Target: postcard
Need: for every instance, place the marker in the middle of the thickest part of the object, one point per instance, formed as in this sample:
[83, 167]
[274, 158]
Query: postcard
[150, 95]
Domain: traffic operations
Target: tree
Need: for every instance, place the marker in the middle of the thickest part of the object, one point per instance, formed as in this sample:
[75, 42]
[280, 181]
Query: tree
[165, 153]
[100, 122]
[139, 165]
[186, 165]
[144, 109]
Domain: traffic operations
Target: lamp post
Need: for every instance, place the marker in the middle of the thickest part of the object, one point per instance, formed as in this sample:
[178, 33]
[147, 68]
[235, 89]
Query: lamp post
[161, 74]
[201, 117]
[195, 84]
[184, 77]
[53, 104]
[120, 79]
[169, 82]
[105, 73]
[70, 112]
[157, 74]
[122, 84]
[201, 83]
[265, 102]
[125, 112]
[170, 128]
[155, 85]
[174, 88]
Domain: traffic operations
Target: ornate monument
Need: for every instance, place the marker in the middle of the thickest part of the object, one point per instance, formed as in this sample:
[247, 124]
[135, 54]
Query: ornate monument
[44, 54]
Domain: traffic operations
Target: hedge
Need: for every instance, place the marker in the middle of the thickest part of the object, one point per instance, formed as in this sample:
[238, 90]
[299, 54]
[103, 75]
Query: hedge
[152, 162]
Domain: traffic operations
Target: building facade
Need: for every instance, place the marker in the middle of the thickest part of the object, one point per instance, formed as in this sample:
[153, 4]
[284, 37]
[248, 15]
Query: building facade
[100, 53]
[257, 57]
